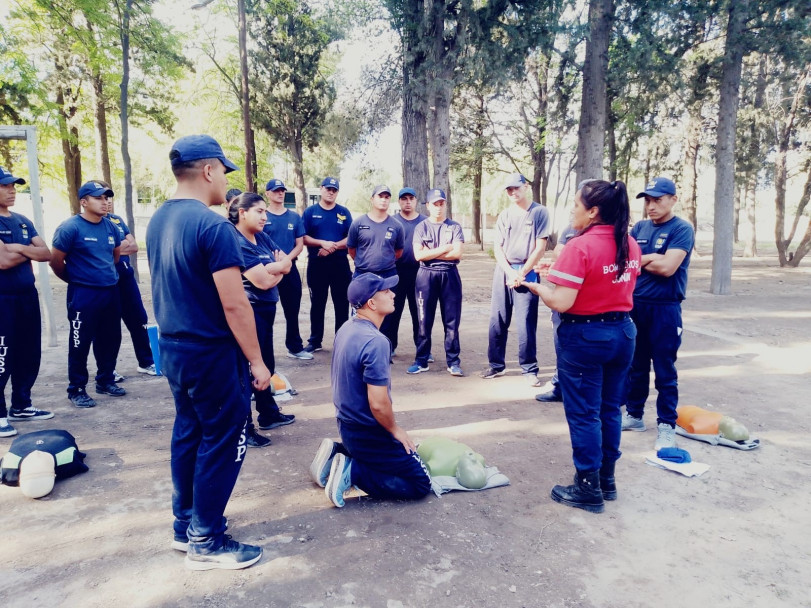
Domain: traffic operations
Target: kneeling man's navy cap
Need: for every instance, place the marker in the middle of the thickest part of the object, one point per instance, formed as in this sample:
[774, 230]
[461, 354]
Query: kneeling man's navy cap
[195, 147]
[94, 189]
[364, 287]
[7, 178]
[658, 186]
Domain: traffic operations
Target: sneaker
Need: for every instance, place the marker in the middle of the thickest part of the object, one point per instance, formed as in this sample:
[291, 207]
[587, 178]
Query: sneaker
[277, 421]
[666, 437]
[532, 379]
[430, 358]
[416, 368]
[110, 389]
[340, 479]
[629, 423]
[302, 355]
[118, 377]
[149, 369]
[490, 372]
[393, 353]
[230, 556]
[81, 399]
[180, 543]
[550, 396]
[29, 413]
[255, 440]
[321, 464]
[455, 370]
[311, 348]
[6, 430]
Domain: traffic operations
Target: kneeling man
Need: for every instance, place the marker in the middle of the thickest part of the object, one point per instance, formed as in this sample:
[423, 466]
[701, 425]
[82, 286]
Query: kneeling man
[376, 454]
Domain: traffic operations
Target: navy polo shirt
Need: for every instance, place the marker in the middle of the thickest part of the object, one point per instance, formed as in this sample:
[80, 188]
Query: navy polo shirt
[375, 243]
[432, 235]
[407, 259]
[255, 255]
[284, 229]
[17, 229]
[89, 248]
[675, 233]
[326, 225]
[123, 231]
[360, 356]
[566, 234]
[186, 244]
[517, 230]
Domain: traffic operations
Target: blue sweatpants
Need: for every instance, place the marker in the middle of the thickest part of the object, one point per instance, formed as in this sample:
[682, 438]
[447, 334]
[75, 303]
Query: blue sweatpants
[381, 467]
[94, 315]
[445, 287]
[504, 304]
[134, 314]
[20, 347]
[211, 386]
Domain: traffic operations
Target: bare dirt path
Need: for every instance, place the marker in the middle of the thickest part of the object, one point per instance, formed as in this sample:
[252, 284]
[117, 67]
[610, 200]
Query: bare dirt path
[738, 535]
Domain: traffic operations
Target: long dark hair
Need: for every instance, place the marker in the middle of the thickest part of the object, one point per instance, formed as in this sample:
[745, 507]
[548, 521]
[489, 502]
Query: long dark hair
[245, 201]
[611, 198]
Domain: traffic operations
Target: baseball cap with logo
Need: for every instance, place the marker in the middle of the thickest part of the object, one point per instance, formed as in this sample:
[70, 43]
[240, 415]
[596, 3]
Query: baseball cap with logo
[7, 178]
[37, 474]
[195, 147]
[330, 182]
[406, 192]
[435, 195]
[380, 189]
[658, 186]
[364, 287]
[94, 189]
[275, 184]
[516, 180]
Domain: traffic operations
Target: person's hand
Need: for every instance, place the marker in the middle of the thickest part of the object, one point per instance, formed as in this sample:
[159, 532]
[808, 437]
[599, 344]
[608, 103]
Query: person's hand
[514, 279]
[401, 436]
[261, 376]
[328, 246]
[542, 268]
[280, 257]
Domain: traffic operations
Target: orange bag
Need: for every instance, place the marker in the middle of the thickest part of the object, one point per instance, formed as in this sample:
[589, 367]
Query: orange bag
[698, 421]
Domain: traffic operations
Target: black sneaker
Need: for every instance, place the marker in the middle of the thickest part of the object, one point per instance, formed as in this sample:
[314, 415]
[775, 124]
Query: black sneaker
[311, 348]
[81, 399]
[230, 556]
[277, 421]
[550, 396]
[255, 440]
[490, 372]
[110, 389]
[29, 413]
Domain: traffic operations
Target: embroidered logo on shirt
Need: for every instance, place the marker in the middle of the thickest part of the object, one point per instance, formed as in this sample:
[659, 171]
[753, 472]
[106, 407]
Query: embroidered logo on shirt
[111, 240]
[289, 226]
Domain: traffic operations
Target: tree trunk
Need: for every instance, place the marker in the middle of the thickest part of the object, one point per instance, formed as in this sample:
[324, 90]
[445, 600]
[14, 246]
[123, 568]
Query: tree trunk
[250, 158]
[591, 132]
[721, 279]
[749, 198]
[476, 206]
[689, 188]
[750, 187]
[296, 147]
[805, 244]
[736, 211]
[71, 154]
[441, 140]
[100, 117]
[125, 125]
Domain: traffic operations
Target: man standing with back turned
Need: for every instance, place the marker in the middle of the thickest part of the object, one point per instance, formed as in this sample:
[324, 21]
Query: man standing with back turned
[208, 339]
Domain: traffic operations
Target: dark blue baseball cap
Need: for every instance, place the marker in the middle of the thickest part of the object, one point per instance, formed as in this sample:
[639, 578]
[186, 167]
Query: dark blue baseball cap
[364, 287]
[195, 147]
[331, 182]
[7, 178]
[275, 184]
[407, 191]
[516, 180]
[94, 189]
[435, 195]
[658, 186]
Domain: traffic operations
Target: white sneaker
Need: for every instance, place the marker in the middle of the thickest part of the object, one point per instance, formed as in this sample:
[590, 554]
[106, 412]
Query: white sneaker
[149, 369]
[629, 423]
[666, 437]
[302, 355]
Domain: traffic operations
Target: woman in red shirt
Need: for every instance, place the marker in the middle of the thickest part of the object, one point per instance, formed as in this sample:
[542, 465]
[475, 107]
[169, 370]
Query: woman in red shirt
[593, 282]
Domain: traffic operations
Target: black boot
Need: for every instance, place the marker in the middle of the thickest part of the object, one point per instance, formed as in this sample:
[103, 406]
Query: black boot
[607, 484]
[584, 494]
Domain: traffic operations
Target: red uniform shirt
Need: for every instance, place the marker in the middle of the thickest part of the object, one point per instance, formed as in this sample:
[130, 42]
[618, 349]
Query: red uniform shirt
[587, 263]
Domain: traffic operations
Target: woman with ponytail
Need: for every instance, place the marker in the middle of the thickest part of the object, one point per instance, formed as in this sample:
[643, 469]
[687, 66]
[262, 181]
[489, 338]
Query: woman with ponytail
[247, 212]
[592, 288]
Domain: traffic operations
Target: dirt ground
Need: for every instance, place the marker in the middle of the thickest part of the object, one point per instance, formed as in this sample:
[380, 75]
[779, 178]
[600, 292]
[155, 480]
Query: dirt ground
[738, 535]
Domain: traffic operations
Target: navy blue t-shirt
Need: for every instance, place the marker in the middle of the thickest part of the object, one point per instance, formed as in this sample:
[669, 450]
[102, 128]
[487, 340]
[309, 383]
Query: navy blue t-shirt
[186, 244]
[407, 259]
[360, 356]
[123, 231]
[566, 234]
[375, 243]
[675, 233]
[326, 225]
[517, 230]
[17, 229]
[254, 255]
[432, 235]
[284, 229]
[89, 248]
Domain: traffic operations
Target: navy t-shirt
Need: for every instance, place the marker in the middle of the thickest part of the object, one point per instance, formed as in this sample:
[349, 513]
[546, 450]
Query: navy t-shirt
[89, 248]
[326, 225]
[432, 235]
[407, 259]
[375, 243]
[284, 229]
[186, 244]
[123, 231]
[360, 356]
[675, 233]
[566, 234]
[517, 230]
[17, 229]
[255, 255]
